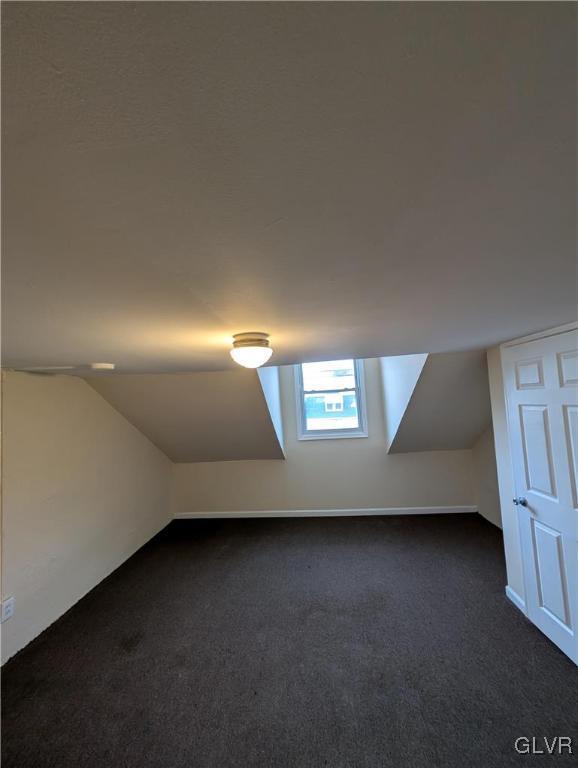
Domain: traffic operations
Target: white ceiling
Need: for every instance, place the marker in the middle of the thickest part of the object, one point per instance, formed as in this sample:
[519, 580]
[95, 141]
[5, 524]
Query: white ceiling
[357, 179]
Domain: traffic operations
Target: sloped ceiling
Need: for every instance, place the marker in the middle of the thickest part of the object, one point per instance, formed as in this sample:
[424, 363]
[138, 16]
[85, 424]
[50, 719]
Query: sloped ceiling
[357, 179]
[214, 416]
[449, 407]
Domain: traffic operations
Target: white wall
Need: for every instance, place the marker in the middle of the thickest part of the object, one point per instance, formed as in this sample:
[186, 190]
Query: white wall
[399, 376]
[202, 416]
[506, 486]
[450, 405]
[327, 474]
[82, 491]
[486, 490]
[269, 380]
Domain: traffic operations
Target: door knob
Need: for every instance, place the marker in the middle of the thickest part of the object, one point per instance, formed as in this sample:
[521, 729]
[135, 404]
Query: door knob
[520, 501]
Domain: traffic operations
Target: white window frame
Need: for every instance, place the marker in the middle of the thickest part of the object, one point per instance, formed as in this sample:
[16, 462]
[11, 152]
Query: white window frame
[332, 434]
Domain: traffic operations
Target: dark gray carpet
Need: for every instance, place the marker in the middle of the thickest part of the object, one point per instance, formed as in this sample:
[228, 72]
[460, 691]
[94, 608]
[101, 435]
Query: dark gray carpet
[358, 642]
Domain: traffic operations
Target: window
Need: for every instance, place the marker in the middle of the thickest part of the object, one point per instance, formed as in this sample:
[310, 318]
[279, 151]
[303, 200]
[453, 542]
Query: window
[330, 399]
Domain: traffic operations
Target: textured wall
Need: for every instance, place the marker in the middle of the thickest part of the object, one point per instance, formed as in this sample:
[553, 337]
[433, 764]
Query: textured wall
[202, 416]
[449, 407]
[82, 490]
[327, 474]
[486, 490]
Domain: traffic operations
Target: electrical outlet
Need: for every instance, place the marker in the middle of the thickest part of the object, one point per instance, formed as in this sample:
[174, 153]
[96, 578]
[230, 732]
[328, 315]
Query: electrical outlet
[7, 608]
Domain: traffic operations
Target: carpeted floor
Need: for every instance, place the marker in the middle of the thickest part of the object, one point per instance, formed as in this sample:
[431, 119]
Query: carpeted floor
[342, 642]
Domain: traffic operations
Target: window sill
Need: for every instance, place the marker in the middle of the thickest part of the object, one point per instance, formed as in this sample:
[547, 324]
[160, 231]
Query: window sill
[333, 436]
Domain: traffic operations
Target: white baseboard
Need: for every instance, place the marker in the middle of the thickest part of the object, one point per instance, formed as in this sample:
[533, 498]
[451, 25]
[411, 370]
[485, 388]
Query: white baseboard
[329, 512]
[516, 599]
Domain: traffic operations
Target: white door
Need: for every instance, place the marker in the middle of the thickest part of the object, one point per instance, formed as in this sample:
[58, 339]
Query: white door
[541, 381]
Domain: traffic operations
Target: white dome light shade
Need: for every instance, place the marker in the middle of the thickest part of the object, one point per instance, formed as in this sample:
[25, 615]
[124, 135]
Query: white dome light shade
[251, 357]
[251, 350]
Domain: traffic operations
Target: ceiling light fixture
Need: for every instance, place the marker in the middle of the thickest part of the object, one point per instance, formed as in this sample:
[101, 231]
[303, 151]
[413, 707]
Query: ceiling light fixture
[252, 349]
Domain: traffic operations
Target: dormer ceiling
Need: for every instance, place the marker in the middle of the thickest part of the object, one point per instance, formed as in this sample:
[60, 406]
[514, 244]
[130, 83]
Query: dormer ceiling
[356, 179]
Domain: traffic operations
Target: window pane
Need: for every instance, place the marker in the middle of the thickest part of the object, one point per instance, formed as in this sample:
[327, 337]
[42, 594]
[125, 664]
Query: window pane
[331, 410]
[331, 374]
